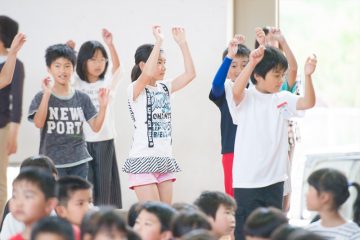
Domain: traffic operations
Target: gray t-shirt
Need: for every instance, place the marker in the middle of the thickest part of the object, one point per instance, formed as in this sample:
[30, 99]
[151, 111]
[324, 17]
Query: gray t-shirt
[62, 137]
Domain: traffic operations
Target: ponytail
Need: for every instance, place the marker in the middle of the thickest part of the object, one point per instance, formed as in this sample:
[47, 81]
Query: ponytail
[356, 206]
[141, 55]
[135, 72]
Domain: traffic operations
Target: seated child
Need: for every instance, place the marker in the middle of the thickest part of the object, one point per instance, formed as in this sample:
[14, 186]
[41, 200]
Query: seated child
[188, 220]
[52, 228]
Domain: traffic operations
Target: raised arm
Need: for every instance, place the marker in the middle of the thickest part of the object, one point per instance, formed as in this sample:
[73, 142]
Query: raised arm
[218, 87]
[242, 80]
[108, 39]
[97, 122]
[189, 74]
[149, 69]
[308, 101]
[293, 67]
[41, 113]
[7, 71]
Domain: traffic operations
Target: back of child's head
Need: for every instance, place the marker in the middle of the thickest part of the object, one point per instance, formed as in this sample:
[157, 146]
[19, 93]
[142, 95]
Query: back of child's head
[142, 54]
[186, 221]
[68, 185]
[273, 60]
[51, 228]
[163, 212]
[210, 201]
[57, 51]
[89, 223]
[41, 178]
[199, 234]
[8, 30]
[133, 213]
[180, 206]
[110, 223]
[40, 161]
[302, 234]
[242, 51]
[263, 221]
[86, 52]
[335, 182]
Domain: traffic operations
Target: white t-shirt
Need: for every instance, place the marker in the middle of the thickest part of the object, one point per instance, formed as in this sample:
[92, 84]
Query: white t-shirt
[151, 150]
[260, 154]
[11, 227]
[346, 231]
[107, 130]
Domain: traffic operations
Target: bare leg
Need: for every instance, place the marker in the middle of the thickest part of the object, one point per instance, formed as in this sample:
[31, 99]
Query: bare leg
[147, 192]
[166, 191]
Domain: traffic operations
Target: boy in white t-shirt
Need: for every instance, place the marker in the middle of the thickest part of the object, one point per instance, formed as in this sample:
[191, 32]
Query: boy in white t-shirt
[261, 113]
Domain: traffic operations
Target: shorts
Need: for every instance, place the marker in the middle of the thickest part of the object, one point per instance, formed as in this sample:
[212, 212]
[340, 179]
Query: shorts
[141, 179]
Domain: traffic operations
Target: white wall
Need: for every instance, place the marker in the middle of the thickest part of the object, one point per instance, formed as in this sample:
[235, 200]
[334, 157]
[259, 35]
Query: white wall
[196, 134]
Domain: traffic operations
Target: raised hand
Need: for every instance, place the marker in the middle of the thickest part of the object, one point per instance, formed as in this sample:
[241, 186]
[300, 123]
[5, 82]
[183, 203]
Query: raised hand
[257, 54]
[310, 65]
[179, 35]
[157, 33]
[46, 85]
[276, 34]
[71, 44]
[107, 36]
[240, 38]
[103, 97]
[18, 42]
[260, 36]
[232, 48]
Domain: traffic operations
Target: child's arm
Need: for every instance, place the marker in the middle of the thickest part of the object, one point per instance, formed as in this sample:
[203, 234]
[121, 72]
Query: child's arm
[97, 122]
[7, 71]
[108, 39]
[41, 113]
[292, 70]
[242, 80]
[183, 79]
[218, 87]
[150, 66]
[308, 101]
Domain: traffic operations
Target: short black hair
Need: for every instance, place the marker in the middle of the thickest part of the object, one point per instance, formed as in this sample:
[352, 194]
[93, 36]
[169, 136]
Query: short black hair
[59, 51]
[67, 185]
[242, 51]
[54, 225]
[133, 213]
[8, 30]
[273, 60]
[199, 234]
[187, 221]
[263, 221]
[40, 161]
[43, 179]
[162, 211]
[86, 52]
[109, 221]
[210, 201]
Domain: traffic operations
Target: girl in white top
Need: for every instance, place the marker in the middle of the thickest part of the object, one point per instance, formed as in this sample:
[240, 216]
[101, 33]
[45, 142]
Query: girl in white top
[91, 67]
[150, 164]
[328, 190]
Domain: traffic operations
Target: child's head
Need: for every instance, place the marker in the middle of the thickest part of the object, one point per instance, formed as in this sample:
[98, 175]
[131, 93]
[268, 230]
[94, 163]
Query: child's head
[269, 72]
[52, 228]
[40, 161]
[288, 232]
[238, 62]
[133, 213]
[220, 209]
[8, 30]
[75, 198]
[141, 56]
[92, 61]
[262, 222]
[33, 195]
[154, 221]
[110, 225]
[199, 234]
[60, 60]
[187, 221]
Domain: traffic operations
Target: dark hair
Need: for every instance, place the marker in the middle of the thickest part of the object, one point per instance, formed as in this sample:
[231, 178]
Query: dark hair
[133, 213]
[180, 206]
[162, 211]
[8, 30]
[242, 51]
[86, 52]
[54, 225]
[273, 60]
[284, 231]
[209, 202]
[109, 221]
[199, 234]
[40, 161]
[335, 182]
[302, 234]
[59, 51]
[39, 177]
[187, 221]
[263, 221]
[132, 235]
[89, 222]
[68, 185]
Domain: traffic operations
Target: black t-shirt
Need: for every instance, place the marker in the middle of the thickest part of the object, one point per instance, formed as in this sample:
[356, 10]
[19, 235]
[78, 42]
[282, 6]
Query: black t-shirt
[228, 129]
